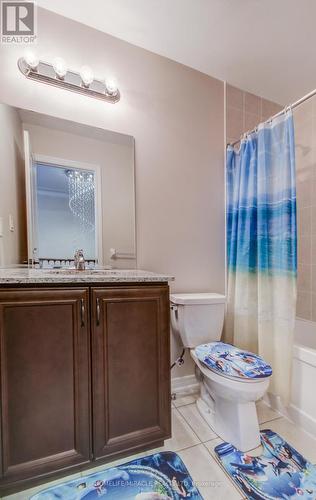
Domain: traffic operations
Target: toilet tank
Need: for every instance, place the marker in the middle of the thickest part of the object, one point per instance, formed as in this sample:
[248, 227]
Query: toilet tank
[197, 317]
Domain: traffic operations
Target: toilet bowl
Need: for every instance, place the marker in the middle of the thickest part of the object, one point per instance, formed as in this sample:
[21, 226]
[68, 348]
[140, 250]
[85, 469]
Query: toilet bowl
[228, 390]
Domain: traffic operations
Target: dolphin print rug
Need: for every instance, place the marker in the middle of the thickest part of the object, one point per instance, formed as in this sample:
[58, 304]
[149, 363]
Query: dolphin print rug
[162, 476]
[280, 472]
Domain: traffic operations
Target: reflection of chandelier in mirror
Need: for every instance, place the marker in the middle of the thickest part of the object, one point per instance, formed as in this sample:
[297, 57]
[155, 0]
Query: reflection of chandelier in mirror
[82, 197]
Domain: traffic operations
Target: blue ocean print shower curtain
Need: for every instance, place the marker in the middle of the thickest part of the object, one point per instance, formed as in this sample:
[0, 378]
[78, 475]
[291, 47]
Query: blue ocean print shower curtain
[262, 246]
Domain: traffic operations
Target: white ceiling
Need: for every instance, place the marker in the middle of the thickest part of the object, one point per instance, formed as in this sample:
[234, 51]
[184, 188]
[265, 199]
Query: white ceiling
[264, 46]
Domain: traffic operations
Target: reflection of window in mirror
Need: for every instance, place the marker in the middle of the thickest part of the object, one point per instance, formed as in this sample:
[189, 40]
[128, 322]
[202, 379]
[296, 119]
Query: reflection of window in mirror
[66, 210]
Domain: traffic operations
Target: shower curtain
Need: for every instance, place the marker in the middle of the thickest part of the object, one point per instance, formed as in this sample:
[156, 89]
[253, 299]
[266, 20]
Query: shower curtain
[262, 247]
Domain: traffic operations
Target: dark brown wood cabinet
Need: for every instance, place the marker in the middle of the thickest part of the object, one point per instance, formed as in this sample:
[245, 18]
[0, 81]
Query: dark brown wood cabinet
[44, 381]
[80, 388]
[130, 351]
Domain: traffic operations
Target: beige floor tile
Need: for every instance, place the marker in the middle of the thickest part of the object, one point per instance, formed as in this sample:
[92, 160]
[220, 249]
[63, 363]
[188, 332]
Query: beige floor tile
[209, 477]
[193, 417]
[266, 413]
[26, 494]
[210, 445]
[185, 400]
[182, 434]
[297, 437]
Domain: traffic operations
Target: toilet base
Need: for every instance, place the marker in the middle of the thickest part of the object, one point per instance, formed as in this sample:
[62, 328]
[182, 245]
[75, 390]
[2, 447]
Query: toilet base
[236, 423]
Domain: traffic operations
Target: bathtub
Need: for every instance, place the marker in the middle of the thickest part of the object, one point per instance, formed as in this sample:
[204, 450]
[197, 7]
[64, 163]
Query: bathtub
[302, 408]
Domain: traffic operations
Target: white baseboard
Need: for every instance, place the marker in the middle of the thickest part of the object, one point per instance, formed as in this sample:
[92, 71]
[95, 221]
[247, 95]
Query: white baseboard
[302, 419]
[293, 413]
[183, 386]
[275, 403]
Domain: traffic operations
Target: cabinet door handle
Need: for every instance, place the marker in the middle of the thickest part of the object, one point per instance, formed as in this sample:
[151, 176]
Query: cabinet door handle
[98, 311]
[82, 312]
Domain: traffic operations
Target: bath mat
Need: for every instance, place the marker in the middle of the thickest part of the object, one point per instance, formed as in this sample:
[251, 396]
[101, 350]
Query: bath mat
[279, 473]
[162, 476]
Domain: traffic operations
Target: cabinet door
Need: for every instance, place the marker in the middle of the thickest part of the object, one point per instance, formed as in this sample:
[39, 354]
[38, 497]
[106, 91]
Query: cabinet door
[131, 368]
[44, 353]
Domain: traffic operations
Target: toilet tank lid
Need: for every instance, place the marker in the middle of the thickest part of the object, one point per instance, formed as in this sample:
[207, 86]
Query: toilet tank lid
[197, 298]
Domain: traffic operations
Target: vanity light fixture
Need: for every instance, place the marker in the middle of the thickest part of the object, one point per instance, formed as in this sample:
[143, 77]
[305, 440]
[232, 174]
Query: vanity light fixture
[59, 75]
[111, 87]
[60, 68]
[87, 76]
[32, 60]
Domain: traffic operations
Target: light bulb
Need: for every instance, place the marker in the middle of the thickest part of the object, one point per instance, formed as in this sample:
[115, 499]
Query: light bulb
[31, 60]
[60, 67]
[87, 75]
[111, 87]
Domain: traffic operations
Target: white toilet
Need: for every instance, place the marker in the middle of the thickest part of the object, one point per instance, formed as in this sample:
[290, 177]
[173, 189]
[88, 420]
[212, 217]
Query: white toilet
[231, 380]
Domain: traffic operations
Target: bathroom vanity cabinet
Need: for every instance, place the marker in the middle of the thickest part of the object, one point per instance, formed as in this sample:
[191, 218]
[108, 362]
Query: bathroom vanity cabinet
[85, 376]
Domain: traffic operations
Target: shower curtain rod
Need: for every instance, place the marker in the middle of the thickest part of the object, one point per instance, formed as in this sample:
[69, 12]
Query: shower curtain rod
[291, 106]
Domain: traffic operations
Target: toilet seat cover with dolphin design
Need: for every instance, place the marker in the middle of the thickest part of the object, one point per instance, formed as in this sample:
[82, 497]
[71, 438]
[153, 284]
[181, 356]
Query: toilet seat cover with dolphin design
[230, 361]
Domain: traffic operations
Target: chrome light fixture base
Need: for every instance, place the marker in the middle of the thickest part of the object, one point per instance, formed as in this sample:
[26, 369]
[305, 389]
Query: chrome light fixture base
[45, 73]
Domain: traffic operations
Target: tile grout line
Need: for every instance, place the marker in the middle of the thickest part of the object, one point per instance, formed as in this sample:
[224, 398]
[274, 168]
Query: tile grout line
[194, 430]
[185, 404]
[212, 459]
[188, 425]
[271, 420]
[229, 479]
[187, 448]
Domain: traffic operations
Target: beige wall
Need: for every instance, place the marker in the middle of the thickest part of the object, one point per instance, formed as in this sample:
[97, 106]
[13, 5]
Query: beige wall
[116, 162]
[244, 111]
[176, 115]
[12, 192]
[305, 152]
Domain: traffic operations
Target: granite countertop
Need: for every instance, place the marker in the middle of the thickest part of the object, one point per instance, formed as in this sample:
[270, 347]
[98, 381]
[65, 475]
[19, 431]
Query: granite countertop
[24, 275]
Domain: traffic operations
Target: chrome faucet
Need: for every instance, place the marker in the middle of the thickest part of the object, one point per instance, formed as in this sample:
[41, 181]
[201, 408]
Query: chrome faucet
[79, 260]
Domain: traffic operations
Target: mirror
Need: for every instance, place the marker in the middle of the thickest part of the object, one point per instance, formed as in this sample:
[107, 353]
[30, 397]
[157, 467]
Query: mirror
[64, 186]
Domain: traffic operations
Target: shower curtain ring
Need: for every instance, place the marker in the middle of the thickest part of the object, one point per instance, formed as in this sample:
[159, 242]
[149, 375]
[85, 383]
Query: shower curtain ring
[287, 109]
